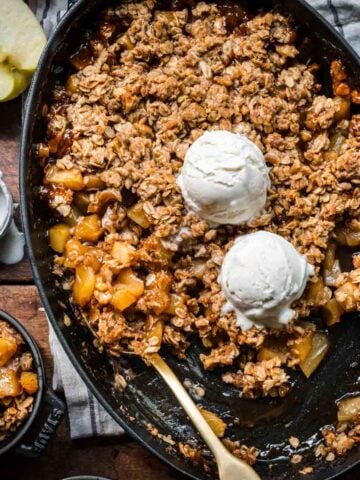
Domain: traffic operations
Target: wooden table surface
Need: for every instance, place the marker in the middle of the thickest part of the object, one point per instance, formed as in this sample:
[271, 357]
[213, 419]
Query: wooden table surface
[116, 458]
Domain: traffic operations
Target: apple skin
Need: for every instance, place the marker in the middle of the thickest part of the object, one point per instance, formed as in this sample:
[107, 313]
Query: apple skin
[22, 40]
[21, 35]
[12, 83]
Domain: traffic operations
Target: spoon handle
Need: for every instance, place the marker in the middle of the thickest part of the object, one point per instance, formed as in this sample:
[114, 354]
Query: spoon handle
[215, 445]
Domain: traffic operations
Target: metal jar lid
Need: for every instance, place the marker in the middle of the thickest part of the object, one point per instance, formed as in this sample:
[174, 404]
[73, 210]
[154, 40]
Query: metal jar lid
[6, 208]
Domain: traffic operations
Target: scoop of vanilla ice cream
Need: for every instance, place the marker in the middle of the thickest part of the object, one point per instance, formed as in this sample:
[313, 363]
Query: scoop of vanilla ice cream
[261, 276]
[224, 178]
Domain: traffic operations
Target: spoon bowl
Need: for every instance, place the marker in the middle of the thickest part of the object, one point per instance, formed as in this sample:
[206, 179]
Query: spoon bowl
[229, 466]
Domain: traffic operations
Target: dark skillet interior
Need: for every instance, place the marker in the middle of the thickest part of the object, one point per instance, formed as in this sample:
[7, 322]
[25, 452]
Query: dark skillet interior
[266, 424]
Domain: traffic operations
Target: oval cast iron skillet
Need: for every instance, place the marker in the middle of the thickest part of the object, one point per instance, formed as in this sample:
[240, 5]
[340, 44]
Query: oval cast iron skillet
[266, 424]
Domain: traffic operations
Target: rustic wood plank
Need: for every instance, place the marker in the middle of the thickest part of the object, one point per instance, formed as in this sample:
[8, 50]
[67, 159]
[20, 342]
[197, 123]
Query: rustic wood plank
[10, 124]
[116, 459]
[23, 303]
[20, 273]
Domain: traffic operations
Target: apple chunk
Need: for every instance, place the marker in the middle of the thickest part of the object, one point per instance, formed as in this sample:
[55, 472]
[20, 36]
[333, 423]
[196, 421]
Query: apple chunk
[12, 83]
[22, 38]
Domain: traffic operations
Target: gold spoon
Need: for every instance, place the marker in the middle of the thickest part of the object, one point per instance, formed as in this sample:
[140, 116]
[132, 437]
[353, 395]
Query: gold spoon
[229, 466]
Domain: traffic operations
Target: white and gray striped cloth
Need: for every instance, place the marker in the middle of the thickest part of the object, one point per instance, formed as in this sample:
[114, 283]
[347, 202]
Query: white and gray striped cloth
[87, 417]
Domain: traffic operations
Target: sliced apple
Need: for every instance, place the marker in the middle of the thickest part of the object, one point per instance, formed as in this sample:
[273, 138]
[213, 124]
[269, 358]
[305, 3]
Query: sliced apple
[22, 38]
[12, 83]
[3, 55]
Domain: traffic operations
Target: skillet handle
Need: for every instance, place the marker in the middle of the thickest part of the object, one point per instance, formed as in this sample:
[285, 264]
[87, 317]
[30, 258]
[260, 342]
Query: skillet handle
[48, 430]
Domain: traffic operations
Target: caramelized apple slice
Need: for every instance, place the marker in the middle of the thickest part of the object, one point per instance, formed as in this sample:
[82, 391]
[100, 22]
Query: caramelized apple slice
[88, 228]
[92, 258]
[134, 284]
[122, 297]
[73, 253]
[156, 294]
[82, 200]
[137, 214]
[9, 383]
[93, 182]
[319, 347]
[273, 348]
[217, 425]
[331, 266]
[330, 257]
[84, 285]
[153, 253]
[331, 312]
[342, 106]
[73, 216]
[58, 236]
[302, 347]
[72, 178]
[176, 301]
[8, 348]
[346, 296]
[123, 252]
[348, 409]
[347, 236]
[29, 382]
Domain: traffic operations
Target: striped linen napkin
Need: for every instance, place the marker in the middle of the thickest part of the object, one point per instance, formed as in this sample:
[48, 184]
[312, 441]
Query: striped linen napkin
[87, 417]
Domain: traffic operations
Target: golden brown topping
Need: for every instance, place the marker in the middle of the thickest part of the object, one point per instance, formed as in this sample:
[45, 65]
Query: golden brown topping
[153, 254]
[115, 145]
[260, 379]
[156, 296]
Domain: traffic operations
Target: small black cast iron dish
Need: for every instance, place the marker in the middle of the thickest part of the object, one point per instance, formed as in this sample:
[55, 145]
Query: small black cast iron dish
[265, 423]
[14, 443]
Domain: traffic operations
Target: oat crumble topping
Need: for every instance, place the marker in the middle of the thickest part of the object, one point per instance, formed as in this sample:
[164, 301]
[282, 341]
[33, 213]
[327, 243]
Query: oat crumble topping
[141, 268]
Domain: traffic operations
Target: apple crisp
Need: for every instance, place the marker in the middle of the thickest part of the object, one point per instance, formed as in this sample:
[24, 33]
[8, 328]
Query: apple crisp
[142, 270]
[18, 381]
